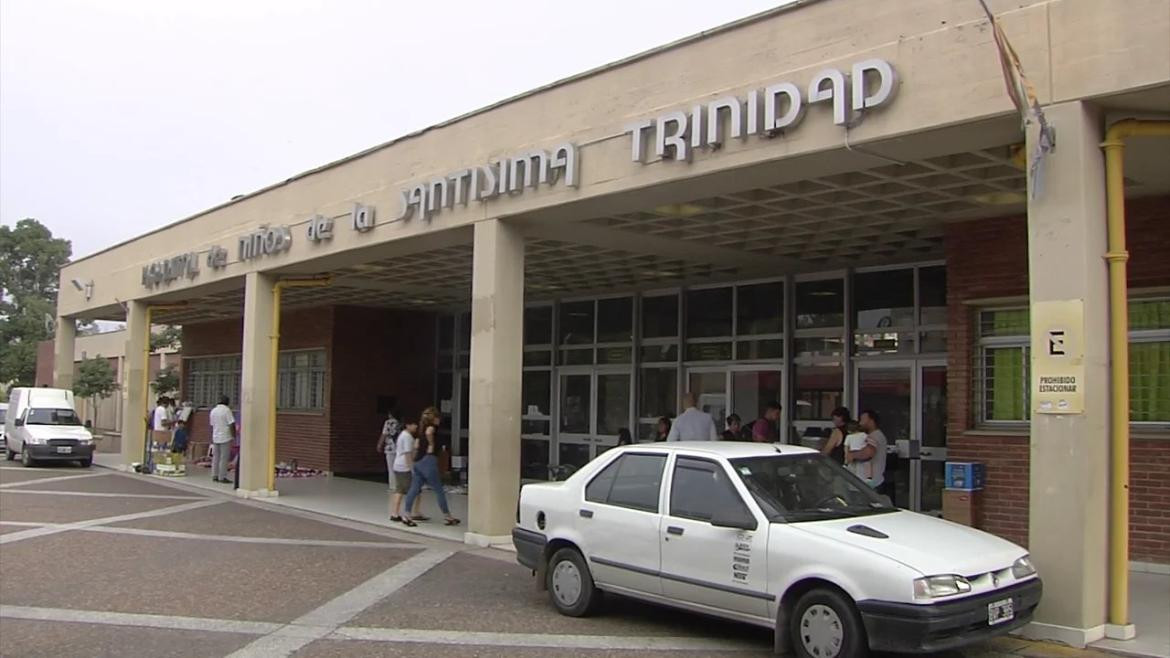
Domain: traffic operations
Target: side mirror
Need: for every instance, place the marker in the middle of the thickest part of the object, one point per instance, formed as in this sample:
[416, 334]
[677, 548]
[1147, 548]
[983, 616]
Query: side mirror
[19, 422]
[886, 500]
[740, 519]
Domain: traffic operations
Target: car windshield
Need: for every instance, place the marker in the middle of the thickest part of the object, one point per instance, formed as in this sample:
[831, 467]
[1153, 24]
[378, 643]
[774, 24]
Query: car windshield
[52, 417]
[807, 487]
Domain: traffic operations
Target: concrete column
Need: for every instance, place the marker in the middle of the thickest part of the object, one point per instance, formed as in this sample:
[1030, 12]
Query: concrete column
[1069, 453]
[497, 345]
[63, 349]
[134, 405]
[255, 386]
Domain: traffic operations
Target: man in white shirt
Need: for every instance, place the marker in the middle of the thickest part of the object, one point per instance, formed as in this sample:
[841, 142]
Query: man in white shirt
[692, 424]
[874, 451]
[223, 432]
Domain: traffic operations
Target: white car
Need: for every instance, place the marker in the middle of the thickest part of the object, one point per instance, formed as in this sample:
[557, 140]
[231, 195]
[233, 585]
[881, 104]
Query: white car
[777, 536]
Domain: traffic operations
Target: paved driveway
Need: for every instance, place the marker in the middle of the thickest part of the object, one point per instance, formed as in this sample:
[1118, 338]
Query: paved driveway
[102, 563]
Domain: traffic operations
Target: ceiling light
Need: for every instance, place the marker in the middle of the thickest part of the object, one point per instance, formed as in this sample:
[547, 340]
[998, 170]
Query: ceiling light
[1000, 198]
[679, 210]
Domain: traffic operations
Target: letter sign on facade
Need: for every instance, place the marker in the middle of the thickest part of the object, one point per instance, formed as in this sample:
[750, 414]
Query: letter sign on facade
[675, 135]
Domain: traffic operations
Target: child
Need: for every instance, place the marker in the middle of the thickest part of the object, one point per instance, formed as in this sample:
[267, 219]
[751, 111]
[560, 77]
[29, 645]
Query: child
[855, 440]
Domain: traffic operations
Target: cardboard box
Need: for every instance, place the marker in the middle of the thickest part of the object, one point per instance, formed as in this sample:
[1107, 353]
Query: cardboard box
[966, 476]
[963, 506]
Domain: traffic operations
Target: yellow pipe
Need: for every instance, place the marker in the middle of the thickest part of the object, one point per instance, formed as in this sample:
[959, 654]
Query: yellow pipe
[1117, 256]
[273, 365]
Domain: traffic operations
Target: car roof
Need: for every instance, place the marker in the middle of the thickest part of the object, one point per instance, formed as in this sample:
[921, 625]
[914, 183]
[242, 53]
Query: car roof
[725, 449]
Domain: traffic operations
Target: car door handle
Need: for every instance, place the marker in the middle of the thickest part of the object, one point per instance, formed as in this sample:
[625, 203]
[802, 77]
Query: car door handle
[585, 513]
[674, 530]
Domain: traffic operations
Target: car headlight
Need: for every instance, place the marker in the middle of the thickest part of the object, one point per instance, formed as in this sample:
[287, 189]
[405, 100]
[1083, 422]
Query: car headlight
[1023, 567]
[36, 441]
[935, 587]
[84, 442]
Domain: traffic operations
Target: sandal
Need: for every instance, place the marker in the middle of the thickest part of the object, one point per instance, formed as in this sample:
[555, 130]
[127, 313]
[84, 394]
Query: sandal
[408, 523]
[396, 519]
[451, 521]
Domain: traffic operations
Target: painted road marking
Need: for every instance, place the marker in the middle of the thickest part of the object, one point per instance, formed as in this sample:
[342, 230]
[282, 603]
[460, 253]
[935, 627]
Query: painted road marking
[322, 621]
[289, 638]
[99, 494]
[138, 620]
[79, 525]
[25, 483]
[541, 640]
[142, 532]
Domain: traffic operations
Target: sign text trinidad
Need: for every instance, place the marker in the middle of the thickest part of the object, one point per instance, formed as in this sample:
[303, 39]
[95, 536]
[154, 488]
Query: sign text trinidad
[769, 111]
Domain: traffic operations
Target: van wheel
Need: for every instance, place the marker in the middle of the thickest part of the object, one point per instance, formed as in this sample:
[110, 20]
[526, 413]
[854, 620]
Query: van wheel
[825, 624]
[10, 455]
[86, 463]
[25, 458]
[570, 585]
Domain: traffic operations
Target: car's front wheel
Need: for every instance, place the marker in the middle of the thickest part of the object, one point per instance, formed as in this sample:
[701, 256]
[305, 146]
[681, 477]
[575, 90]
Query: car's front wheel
[570, 585]
[825, 624]
[26, 457]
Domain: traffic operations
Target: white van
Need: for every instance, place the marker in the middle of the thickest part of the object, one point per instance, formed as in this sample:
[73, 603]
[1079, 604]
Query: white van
[42, 425]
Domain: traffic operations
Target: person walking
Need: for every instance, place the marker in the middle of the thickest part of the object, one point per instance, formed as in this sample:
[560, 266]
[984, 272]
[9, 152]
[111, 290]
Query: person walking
[834, 446]
[401, 465]
[624, 437]
[426, 469]
[223, 432]
[692, 424]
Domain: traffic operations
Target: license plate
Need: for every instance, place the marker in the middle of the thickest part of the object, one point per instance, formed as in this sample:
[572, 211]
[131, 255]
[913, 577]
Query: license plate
[64, 450]
[1000, 611]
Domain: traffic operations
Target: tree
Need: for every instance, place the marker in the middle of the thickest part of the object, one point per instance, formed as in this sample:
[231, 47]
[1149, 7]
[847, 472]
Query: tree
[166, 338]
[95, 381]
[166, 381]
[30, 264]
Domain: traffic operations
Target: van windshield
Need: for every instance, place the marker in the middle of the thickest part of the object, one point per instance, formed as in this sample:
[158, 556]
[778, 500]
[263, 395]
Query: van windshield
[52, 417]
[807, 487]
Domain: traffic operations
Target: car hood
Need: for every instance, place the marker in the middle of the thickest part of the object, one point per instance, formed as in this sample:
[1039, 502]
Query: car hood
[58, 432]
[927, 544]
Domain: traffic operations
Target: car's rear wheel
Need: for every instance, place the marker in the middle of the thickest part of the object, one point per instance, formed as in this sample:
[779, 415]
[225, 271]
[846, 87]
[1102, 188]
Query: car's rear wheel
[11, 455]
[570, 585]
[825, 624]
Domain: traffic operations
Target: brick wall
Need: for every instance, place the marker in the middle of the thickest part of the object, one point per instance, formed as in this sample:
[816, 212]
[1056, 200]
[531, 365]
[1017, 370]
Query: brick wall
[303, 437]
[987, 259]
[376, 353]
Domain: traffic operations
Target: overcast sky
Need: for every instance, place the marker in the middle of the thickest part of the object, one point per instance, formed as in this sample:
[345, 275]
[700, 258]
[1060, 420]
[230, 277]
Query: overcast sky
[120, 116]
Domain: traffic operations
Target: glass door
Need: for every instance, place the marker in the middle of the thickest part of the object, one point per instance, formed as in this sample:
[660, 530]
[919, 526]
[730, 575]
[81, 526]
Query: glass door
[911, 397]
[593, 407]
[888, 388]
[574, 435]
[752, 388]
[933, 418]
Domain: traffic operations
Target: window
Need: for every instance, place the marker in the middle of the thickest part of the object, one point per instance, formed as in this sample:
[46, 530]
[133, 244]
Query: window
[1003, 375]
[632, 480]
[301, 381]
[1002, 365]
[660, 317]
[700, 488]
[820, 318]
[709, 313]
[210, 378]
[1149, 360]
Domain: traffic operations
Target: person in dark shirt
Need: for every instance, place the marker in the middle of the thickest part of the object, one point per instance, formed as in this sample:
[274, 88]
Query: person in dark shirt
[734, 428]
